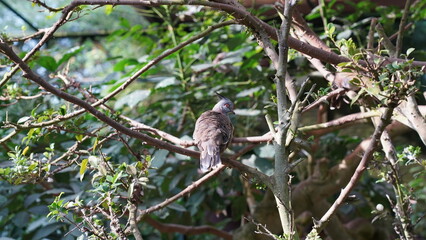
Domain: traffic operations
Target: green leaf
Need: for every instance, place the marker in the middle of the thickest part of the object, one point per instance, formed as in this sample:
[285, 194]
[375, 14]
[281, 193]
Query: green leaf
[121, 65]
[79, 137]
[159, 158]
[132, 99]
[116, 177]
[23, 119]
[177, 207]
[47, 62]
[248, 112]
[32, 166]
[330, 29]
[167, 81]
[345, 64]
[261, 164]
[24, 152]
[250, 91]
[360, 93]
[131, 170]
[95, 144]
[130, 189]
[83, 168]
[108, 9]
[33, 112]
[395, 65]
[409, 51]
[63, 110]
[70, 53]
[265, 151]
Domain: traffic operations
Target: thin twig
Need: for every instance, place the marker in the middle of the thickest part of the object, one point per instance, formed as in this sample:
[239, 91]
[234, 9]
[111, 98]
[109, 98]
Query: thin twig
[385, 40]
[405, 14]
[263, 230]
[325, 98]
[370, 38]
[9, 136]
[48, 34]
[52, 9]
[187, 230]
[187, 190]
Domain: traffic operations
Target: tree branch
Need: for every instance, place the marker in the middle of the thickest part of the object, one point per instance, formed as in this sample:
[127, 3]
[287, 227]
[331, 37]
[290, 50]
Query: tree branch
[412, 112]
[339, 122]
[227, 161]
[282, 189]
[52, 9]
[140, 126]
[48, 34]
[187, 190]
[132, 78]
[325, 99]
[29, 74]
[242, 16]
[187, 230]
[384, 121]
[401, 29]
[306, 34]
[385, 40]
[133, 223]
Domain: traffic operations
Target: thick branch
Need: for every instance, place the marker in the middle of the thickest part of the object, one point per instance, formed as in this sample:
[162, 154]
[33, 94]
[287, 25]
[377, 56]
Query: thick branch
[411, 111]
[282, 189]
[385, 40]
[306, 34]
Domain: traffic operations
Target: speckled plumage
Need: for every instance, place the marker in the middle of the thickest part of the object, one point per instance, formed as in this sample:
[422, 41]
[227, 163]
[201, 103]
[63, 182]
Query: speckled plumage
[213, 133]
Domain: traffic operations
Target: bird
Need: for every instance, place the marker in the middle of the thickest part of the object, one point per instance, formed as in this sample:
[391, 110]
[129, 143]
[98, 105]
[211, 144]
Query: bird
[213, 132]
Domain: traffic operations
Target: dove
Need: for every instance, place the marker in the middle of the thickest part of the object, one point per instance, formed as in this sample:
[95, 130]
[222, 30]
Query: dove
[213, 132]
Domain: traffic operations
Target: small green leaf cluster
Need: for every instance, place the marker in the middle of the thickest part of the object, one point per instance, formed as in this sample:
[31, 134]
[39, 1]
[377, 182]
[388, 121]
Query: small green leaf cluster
[57, 209]
[313, 235]
[410, 155]
[114, 186]
[26, 168]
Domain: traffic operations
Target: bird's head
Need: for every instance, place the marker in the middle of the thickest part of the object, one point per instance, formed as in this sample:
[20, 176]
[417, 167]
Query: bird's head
[224, 106]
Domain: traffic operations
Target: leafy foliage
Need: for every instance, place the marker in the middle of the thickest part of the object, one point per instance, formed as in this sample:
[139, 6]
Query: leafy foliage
[68, 174]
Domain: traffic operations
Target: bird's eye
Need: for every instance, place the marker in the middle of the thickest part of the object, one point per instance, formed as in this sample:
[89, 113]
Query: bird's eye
[227, 105]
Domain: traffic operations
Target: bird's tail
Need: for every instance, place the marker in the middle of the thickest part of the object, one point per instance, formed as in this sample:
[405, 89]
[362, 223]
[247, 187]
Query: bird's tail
[210, 157]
